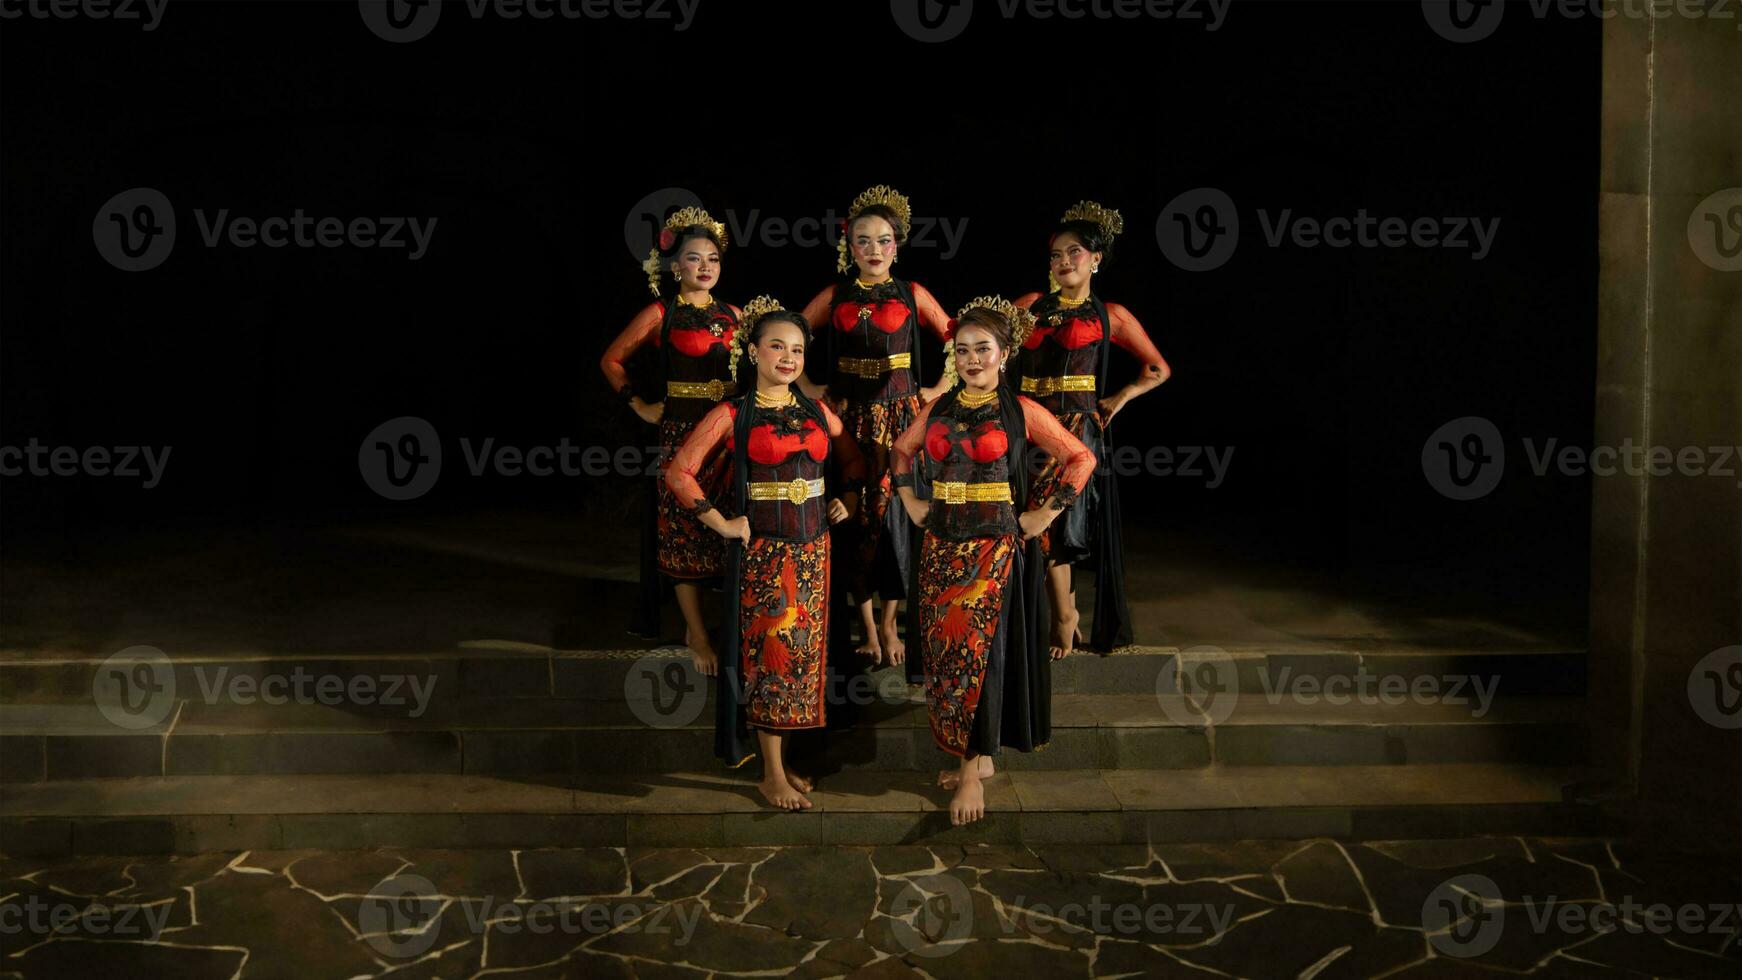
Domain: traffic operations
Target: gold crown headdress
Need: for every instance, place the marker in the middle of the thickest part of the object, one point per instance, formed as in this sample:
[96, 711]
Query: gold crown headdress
[679, 220]
[754, 310]
[882, 194]
[1109, 220]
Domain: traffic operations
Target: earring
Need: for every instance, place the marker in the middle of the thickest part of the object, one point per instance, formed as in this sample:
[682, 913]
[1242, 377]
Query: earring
[676, 276]
[1094, 268]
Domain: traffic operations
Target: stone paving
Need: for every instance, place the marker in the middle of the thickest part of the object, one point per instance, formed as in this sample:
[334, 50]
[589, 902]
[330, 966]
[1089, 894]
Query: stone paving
[1316, 908]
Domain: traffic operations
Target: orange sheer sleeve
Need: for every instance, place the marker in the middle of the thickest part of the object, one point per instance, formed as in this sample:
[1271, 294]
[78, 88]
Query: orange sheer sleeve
[1027, 300]
[816, 312]
[932, 315]
[1045, 431]
[1130, 335]
[680, 475]
[906, 444]
[644, 329]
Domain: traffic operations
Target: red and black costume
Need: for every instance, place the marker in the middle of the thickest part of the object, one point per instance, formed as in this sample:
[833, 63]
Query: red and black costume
[869, 346]
[1063, 366]
[773, 653]
[693, 344]
[986, 672]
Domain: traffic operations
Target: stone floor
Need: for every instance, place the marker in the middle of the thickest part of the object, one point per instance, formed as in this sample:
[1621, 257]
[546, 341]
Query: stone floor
[1315, 908]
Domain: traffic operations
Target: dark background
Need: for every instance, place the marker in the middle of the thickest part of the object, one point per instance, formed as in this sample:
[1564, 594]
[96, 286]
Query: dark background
[530, 141]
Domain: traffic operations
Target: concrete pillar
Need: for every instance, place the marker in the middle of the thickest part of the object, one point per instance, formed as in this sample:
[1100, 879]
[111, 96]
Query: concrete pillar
[1666, 557]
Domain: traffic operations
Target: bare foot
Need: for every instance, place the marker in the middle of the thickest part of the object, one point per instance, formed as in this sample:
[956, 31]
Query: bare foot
[701, 653]
[798, 782]
[948, 778]
[969, 803]
[1064, 634]
[870, 648]
[892, 644]
[780, 794]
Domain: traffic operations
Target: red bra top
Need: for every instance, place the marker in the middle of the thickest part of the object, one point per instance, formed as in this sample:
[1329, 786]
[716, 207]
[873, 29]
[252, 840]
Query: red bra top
[887, 315]
[983, 443]
[1073, 334]
[771, 449]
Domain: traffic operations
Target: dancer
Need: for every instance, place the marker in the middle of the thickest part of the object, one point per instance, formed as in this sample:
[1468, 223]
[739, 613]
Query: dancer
[693, 335]
[987, 683]
[1063, 366]
[868, 328]
[777, 564]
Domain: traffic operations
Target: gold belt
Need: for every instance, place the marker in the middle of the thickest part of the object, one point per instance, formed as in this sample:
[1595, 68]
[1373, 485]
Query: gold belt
[943, 492]
[871, 367]
[795, 491]
[711, 390]
[1042, 387]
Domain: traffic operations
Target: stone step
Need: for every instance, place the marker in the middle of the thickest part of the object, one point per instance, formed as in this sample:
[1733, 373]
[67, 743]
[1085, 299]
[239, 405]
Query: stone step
[56, 741]
[184, 814]
[513, 671]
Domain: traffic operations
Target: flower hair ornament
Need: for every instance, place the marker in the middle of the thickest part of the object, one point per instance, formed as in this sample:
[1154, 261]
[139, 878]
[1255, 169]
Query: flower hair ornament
[1109, 221]
[1021, 326]
[679, 220]
[882, 194]
[754, 310]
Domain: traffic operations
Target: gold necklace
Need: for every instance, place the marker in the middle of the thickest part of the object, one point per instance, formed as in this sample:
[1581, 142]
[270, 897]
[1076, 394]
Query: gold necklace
[973, 399]
[1068, 303]
[769, 401]
[684, 300]
[862, 284]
